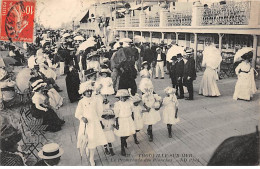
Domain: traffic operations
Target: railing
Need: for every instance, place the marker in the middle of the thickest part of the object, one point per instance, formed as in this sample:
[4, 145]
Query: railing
[232, 13]
[182, 18]
[134, 21]
[152, 21]
[120, 22]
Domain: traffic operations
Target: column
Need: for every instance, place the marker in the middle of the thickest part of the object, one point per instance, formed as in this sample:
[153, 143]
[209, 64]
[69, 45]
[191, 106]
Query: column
[254, 13]
[220, 36]
[163, 17]
[177, 37]
[126, 34]
[142, 19]
[141, 35]
[195, 47]
[127, 20]
[197, 11]
[151, 35]
[162, 37]
[254, 50]
[133, 36]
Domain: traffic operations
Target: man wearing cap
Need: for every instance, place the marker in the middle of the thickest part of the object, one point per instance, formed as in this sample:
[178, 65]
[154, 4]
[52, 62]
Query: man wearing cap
[160, 61]
[64, 55]
[179, 76]
[189, 73]
[50, 155]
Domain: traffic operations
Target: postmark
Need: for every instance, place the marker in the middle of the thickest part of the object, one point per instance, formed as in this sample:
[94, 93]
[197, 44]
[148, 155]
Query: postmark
[17, 20]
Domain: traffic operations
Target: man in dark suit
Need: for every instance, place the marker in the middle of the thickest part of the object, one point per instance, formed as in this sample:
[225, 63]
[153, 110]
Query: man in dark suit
[179, 76]
[189, 73]
[159, 63]
[172, 71]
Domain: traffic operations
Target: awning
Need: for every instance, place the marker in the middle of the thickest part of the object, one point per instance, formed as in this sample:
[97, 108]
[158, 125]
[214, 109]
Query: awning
[139, 6]
[85, 18]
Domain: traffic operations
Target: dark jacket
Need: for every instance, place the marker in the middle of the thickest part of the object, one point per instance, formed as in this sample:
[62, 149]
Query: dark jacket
[179, 68]
[64, 55]
[148, 56]
[189, 69]
[163, 57]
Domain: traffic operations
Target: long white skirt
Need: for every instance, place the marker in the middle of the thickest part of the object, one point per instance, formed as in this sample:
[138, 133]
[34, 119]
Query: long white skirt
[151, 117]
[55, 99]
[169, 115]
[126, 127]
[208, 85]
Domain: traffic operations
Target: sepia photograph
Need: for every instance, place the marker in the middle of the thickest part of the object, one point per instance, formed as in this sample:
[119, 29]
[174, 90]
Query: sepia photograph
[129, 82]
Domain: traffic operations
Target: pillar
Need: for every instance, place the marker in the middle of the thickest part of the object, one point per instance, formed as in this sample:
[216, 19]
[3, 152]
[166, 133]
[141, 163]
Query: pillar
[220, 36]
[254, 50]
[127, 20]
[141, 35]
[133, 36]
[163, 17]
[162, 37]
[197, 12]
[126, 34]
[142, 19]
[177, 37]
[254, 14]
[151, 36]
[195, 47]
[187, 39]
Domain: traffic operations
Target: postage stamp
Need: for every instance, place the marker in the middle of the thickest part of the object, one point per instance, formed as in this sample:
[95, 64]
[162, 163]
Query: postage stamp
[17, 20]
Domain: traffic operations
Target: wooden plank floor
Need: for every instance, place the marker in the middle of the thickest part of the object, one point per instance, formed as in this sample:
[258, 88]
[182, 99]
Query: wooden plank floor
[205, 123]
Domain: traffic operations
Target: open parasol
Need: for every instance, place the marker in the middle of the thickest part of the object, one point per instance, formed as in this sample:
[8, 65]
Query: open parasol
[173, 51]
[241, 52]
[79, 38]
[22, 79]
[237, 151]
[85, 45]
[212, 56]
[139, 39]
[116, 45]
[127, 40]
[65, 35]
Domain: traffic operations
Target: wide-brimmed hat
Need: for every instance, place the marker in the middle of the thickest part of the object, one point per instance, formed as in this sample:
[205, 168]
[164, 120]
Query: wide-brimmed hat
[50, 151]
[90, 72]
[105, 60]
[136, 98]
[188, 52]
[105, 70]
[3, 73]
[144, 63]
[158, 48]
[170, 90]
[122, 93]
[9, 135]
[92, 54]
[86, 86]
[36, 85]
[179, 55]
[247, 56]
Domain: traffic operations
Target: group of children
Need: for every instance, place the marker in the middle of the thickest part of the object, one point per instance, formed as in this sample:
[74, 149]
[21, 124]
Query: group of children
[100, 122]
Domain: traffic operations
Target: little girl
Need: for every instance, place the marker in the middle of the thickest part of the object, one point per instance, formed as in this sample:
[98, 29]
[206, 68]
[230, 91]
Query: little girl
[138, 120]
[108, 121]
[105, 81]
[152, 103]
[124, 118]
[170, 111]
[146, 75]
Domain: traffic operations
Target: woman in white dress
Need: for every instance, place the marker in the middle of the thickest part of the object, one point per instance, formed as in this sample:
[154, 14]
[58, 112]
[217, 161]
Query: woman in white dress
[170, 104]
[123, 110]
[245, 86]
[90, 128]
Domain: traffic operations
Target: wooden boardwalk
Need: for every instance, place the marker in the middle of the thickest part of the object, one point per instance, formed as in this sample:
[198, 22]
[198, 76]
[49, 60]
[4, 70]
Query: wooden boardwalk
[205, 123]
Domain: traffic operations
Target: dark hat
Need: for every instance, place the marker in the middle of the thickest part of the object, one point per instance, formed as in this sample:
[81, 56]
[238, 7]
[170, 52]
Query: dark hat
[174, 58]
[90, 72]
[247, 56]
[121, 43]
[189, 51]
[179, 55]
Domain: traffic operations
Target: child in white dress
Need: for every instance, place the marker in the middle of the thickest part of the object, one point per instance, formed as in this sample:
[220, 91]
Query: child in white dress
[108, 120]
[106, 82]
[123, 110]
[152, 104]
[138, 119]
[170, 104]
[145, 75]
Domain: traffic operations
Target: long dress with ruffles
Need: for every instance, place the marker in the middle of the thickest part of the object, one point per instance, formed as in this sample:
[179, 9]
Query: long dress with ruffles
[245, 86]
[170, 105]
[145, 75]
[107, 85]
[90, 108]
[123, 111]
[208, 85]
[153, 116]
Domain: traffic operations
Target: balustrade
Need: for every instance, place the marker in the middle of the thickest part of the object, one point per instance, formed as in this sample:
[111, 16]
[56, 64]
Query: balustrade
[134, 21]
[181, 18]
[151, 21]
[120, 22]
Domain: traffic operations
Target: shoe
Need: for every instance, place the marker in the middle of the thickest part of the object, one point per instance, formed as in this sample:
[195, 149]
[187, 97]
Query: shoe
[111, 151]
[188, 98]
[151, 138]
[59, 90]
[156, 78]
[107, 152]
[170, 135]
[162, 77]
[180, 97]
[123, 151]
[136, 142]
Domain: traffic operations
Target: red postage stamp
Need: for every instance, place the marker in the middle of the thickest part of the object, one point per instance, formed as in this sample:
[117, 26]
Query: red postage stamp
[17, 20]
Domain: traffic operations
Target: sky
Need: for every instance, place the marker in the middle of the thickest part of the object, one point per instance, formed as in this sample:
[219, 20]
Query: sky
[52, 13]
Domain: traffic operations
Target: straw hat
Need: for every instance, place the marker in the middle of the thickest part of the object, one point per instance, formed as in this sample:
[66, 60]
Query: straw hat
[105, 70]
[90, 72]
[122, 93]
[136, 98]
[38, 84]
[86, 86]
[50, 151]
[92, 54]
[144, 62]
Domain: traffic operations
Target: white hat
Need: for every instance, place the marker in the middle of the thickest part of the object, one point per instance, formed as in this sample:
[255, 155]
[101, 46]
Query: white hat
[3, 73]
[38, 84]
[136, 98]
[85, 87]
[50, 151]
[170, 90]
[122, 93]
[108, 71]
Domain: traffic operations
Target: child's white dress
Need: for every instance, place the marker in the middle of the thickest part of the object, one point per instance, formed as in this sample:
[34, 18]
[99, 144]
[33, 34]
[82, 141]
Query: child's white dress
[145, 75]
[123, 110]
[107, 85]
[108, 123]
[153, 116]
[138, 119]
[170, 105]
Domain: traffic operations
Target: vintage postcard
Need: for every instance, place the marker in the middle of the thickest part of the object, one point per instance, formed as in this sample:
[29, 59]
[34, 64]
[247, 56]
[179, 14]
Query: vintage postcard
[129, 82]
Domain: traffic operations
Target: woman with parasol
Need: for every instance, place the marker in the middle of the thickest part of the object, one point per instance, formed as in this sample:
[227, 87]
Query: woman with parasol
[90, 134]
[245, 86]
[211, 60]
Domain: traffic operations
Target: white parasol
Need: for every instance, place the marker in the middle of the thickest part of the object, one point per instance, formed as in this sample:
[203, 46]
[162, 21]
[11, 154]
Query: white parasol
[79, 38]
[139, 39]
[22, 79]
[90, 39]
[116, 45]
[241, 52]
[85, 45]
[212, 56]
[83, 140]
[173, 51]
[127, 40]
[65, 35]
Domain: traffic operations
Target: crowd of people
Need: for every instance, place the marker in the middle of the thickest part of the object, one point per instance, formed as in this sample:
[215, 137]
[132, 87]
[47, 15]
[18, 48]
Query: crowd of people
[96, 72]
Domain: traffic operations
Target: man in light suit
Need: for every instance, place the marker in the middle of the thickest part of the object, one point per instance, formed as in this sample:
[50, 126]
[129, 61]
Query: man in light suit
[159, 62]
